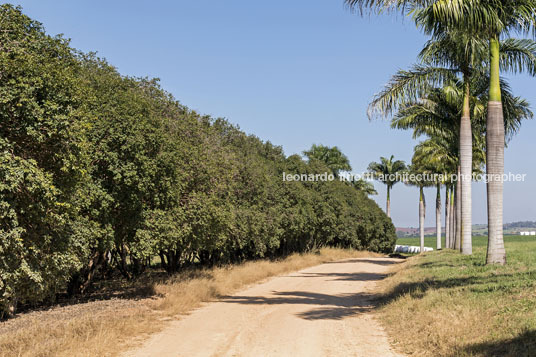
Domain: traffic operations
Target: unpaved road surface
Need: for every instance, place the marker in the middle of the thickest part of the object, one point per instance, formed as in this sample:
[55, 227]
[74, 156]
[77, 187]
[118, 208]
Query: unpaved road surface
[325, 310]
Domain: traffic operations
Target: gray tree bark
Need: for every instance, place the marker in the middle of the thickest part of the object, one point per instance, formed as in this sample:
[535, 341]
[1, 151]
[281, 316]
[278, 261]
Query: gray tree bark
[466, 170]
[496, 253]
[438, 217]
[447, 217]
[452, 217]
[388, 208]
[458, 212]
[422, 209]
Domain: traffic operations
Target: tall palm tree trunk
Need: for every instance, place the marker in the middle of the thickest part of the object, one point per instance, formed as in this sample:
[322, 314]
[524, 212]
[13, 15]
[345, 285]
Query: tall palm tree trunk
[421, 217]
[438, 217]
[495, 161]
[447, 217]
[458, 212]
[466, 169]
[388, 208]
[452, 217]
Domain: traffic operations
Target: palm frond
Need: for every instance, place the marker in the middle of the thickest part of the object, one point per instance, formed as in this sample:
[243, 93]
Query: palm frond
[407, 86]
[518, 55]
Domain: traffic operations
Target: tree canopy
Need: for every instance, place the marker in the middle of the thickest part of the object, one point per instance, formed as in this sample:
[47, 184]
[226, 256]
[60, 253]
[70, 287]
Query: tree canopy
[102, 172]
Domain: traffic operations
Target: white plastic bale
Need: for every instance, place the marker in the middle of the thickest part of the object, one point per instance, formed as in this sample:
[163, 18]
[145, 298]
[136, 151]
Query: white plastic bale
[411, 249]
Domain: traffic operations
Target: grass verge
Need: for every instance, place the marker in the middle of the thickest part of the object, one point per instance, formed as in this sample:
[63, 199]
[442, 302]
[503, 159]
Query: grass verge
[446, 304]
[107, 327]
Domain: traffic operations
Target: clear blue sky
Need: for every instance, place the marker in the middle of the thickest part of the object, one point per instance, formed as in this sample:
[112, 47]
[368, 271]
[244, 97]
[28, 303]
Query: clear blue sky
[293, 72]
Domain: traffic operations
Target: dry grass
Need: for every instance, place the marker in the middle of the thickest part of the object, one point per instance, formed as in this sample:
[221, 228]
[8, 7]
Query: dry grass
[429, 322]
[105, 328]
[447, 304]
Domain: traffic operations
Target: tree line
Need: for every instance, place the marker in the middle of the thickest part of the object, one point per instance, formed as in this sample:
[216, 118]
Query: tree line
[455, 98]
[100, 172]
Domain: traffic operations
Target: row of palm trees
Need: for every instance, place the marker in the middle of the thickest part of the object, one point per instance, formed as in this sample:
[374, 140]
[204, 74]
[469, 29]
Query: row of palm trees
[456, 98]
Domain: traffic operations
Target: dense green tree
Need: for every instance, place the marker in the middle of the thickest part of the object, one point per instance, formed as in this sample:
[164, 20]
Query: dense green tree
[334, 159]
[44, 157]
[101, 173]
[365, 186]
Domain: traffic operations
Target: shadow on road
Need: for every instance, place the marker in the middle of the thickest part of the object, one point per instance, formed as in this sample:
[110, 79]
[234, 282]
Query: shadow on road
[344, 276]
[336, 306]
[366, 260]
[332, 307]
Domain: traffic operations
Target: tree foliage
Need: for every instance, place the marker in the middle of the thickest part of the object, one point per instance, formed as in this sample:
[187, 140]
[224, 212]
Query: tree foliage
[103, 172]
[387, 170]
[331, 156]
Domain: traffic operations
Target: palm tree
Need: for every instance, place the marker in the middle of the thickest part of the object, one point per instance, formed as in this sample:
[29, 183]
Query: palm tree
[487, 19]
[452, 217]
[491, 19]
[414, 177]
[387, 171]
[426, 116]
[331, 156]
[495, 141]
[438, 158]
[461, 53]
[446, 58]
[337, 162]
[447, 215]
[435, 116]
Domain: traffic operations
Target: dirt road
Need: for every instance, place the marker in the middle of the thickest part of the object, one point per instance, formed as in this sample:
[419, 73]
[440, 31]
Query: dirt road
[320, 311]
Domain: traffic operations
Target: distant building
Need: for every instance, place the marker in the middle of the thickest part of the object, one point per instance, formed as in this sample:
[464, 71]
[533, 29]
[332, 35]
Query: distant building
[527, 233]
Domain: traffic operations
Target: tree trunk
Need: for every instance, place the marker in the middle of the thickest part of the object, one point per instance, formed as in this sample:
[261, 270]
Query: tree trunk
[466, 169]
[447, 217]
[438, 217]
[163, 260]
[11, 309]
[458, 212]
[421, 217]
[123, 265]
[495, 161]
[452, 217]
[388, 209]
[82, 280]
